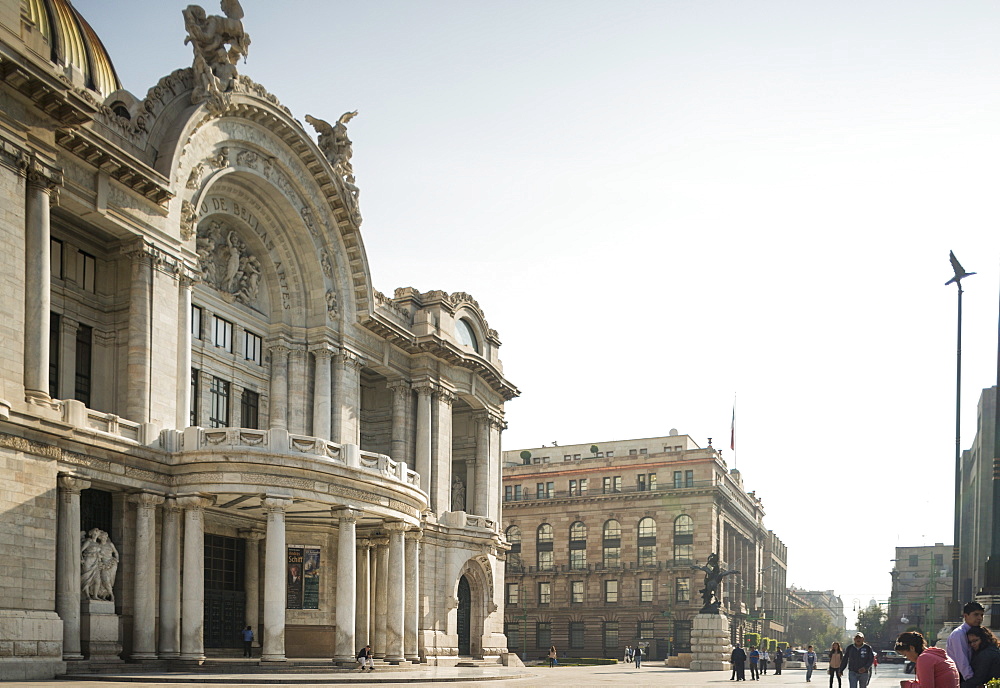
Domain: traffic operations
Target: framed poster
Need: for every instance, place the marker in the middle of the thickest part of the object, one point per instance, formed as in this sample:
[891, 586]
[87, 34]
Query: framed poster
[303, 569]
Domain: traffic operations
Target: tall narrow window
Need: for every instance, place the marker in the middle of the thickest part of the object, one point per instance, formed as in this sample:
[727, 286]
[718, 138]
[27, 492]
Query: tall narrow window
[543, 635]
[684, 538]
[646, 590]
[55, 258]
[683, 590]
[222, 333]
[652, 481]
[612, 544]
[55, 324]
[611, 637]
[578, 546]
[84, 358]
[195, 394]
[251, 347]
[678, 479]
[647, 542]
[513, 593]
[250, 409]
[86, 268]
[610, 591]
[543, 547]
[545, 593]
[196, 314]
[688, 478]
[219, 417]
[576, 635]
[640, 482]
[576, 592]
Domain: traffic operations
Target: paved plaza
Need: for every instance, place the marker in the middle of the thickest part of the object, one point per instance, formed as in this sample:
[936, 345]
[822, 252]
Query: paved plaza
[886, 677]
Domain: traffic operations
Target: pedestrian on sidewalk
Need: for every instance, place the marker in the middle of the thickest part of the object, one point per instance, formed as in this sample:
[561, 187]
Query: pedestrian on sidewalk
[754, 664]
[739, 658]
[958, 642]
[985, 656]
[553, 656]
[810, 663]
[765, 657]
[858, 660]
[637, 653]
[628, 654]
[836, 663]
[247, 641]
[779, 659]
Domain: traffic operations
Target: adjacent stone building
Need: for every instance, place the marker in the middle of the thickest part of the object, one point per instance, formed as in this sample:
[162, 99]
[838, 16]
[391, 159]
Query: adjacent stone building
[209, 417]
[921, 589]
[604, 538]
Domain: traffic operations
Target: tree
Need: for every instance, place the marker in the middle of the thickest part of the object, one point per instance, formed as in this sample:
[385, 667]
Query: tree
[871, 622]
[812, 627]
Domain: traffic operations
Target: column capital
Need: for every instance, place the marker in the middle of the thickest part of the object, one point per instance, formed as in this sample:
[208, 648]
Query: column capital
[414, 534]
[399, 386]
[348, 515]
[350, 359]
[444, 396]
[251, 534]
[364, 543]
[321, 351]
[187, 279]
[424, 388]
[170, 504]
[42, 176]
[72, 484]
[397, 526]
[279, 347]
[379, 540]
[195, 502]
[145, 500]
[275, 504]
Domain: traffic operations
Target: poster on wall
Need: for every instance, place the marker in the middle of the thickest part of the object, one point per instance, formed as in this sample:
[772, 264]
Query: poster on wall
[294, 570]
[311, 569]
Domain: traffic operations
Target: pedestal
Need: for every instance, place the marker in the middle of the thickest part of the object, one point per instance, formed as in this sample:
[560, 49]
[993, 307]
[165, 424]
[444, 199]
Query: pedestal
[989, 602]
[99, 632]
[710, 648]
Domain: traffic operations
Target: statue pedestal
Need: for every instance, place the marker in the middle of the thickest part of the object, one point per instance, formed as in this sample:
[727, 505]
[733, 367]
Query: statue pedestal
[100, 632]
[710, 648]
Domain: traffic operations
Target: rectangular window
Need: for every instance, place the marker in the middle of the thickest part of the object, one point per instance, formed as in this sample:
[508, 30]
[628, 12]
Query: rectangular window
[642, 451]
[536, 460]
[683, 590]
[600, 455]
[517, 492]
[646, 590]
[86, 267]
[609, 454]
[688, 478]
[550, 490]
[84, 347]
[640, 483]
[652, 481]
[55, 258]
[607, 486]
[195, 395]
[576, 457]
[576, 592]
[646, 630]
[251, 347]
[508, 493]
[610, 632]
[647, 553]
[55, 326]
[572, 488]
[545, 593]
[222, 333]
[632, 452]
[616, 483]
[512, 629]
[610, 591]
[539, 490]
[938, 561]
[583, 486]
[250, 410]
[545, 561]
[513, 593]
[543, 635]
[913, 560]
[219, 416]
[567, 457]
[678, 479]
[577, 559]
[196, 314]
[576, 635]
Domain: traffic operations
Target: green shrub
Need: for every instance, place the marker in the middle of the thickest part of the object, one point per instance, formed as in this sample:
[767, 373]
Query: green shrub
[751, 639]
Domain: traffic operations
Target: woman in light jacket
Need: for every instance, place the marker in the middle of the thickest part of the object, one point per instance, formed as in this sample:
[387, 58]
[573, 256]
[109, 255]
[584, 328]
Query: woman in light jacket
[934, 667]
[836, 663]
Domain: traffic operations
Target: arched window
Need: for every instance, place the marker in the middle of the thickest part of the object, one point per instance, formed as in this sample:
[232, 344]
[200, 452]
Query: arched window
[466, 335]
[647, 542]
[684, 537]
[543, 547]
[514, 538]
[612, 544]
[578, 546]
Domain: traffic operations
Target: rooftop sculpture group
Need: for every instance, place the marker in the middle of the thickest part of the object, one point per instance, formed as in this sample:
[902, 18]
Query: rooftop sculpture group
[215, 63]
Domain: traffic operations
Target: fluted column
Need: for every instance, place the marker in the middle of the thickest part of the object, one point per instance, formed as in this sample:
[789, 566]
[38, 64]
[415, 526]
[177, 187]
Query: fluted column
[144, 583]
[400, 403]
[380, 595]
[372, 588]
[395, 593]
[347, 397]
[140, 342]
[346, 570]
[182, 418]
[193, 591]
[441, 430]
[297, 381]
[362, 606]
[322, 411]
[274, 581]
[279, 387]
[68, 561]
[251, 581]
[481, 486]
[422, 450]
[170, 581]
[411, 624]
[66, 354]
[37, 281]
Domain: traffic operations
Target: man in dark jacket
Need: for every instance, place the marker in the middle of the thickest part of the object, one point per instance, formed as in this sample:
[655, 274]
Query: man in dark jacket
[739, 658]
[779, 659]
[858, 659]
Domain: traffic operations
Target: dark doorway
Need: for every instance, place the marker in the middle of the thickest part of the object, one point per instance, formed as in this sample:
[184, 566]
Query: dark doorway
[225, 596]
[464, 617]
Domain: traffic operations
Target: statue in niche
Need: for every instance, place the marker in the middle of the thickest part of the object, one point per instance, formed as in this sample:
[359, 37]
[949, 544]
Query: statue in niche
[336, 146]
[713, 579]
[214, 64]
[226, 263]
[98, 566]
[457, 494]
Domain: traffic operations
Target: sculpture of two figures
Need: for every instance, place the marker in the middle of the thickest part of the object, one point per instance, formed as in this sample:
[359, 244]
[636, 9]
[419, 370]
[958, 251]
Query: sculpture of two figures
[215, 63]
[713, 579]
[98, 566]
[336, 146]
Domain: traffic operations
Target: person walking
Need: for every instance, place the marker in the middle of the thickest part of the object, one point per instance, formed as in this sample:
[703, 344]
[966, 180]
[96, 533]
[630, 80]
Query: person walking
[754, 663]
[637, 653]
[836, 663]
[858, 660]
[739, 658]
[985, 656]
[810, 663]
[553, 656]
[935, 669]
[765, 657]
[779, 659]
[628, 654]
[247, 634]
[958, 642]
[366, 658]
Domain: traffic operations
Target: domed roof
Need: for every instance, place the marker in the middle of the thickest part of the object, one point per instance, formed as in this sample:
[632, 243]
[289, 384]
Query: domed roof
[73, 42]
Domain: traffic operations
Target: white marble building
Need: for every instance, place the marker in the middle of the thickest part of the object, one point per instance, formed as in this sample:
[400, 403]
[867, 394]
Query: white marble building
[193, 360]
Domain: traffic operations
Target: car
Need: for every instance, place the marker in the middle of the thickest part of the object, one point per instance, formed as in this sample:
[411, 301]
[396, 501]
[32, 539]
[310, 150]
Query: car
[890, 657]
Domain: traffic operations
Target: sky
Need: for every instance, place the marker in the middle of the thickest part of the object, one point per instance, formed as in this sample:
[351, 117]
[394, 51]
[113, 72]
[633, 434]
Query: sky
[665, 206]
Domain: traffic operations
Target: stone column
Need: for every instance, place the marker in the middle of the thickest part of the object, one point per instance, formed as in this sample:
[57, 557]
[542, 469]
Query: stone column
[251, 581]
[182, 419]
[441, 428]
[144, 584]
[411, 624]
[362, 596]
[322, 413]
[395, 593]
[193, 591]
[347, 397]
[297, 381]
[346, 570]
[68, 328]
[470, 489]
[495, 463]
[422, 451]
[274, 581]
[372, 588]
[37, 283]
[140, 340]
[482, 484]
[380, 595]
[400, 403]
[68, 559]
[170, 581]
[278, 402]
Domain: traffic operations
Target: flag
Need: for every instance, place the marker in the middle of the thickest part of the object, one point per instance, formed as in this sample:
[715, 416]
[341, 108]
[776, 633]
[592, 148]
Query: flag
[732, 431]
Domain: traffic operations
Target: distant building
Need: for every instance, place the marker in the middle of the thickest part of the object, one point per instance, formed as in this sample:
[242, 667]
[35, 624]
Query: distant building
[976, 498]
[604, 538]
[921, 589]
[827, 601]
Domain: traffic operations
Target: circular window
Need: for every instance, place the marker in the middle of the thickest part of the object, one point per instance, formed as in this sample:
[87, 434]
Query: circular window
[466, 335]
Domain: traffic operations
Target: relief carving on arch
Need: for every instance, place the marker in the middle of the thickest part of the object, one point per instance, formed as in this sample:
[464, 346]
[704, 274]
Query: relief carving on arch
[227, 264]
